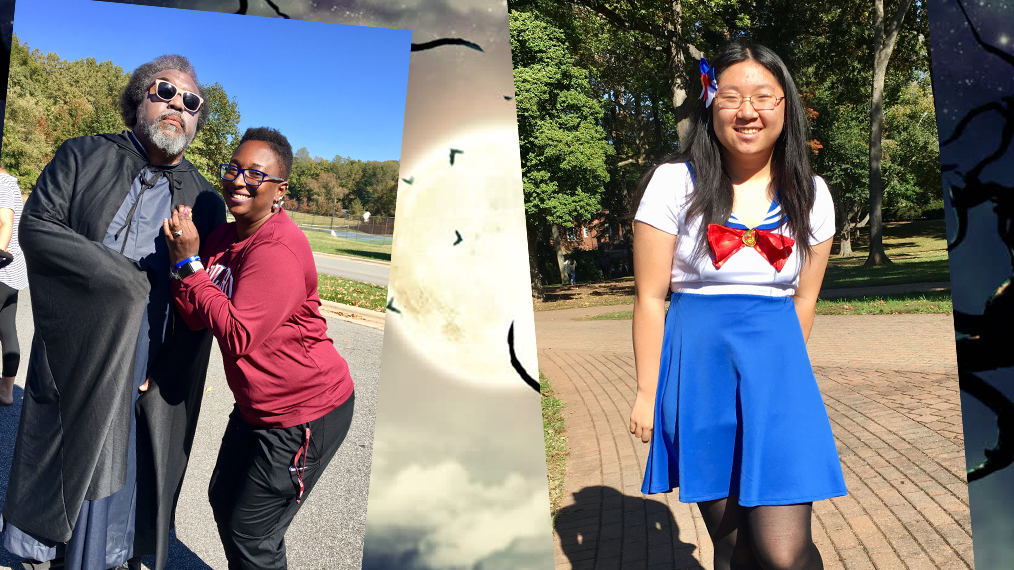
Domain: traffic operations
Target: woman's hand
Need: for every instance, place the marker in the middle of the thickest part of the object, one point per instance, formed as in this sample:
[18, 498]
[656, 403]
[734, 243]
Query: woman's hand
[181, 235]
[642, 416]
[810, 279]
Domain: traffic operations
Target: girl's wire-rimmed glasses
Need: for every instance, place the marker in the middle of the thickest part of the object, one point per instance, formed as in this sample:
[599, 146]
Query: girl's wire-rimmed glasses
[764, 102]
[165, 91]
[253, 178]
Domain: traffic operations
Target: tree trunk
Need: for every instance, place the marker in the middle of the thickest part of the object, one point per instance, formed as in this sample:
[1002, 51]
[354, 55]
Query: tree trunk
[678, 73]
[883, 47]
[533, 264]
[845, 248]
[558, 247]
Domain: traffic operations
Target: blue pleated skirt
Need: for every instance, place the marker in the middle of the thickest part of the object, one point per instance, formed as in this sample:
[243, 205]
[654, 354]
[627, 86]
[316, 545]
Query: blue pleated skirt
[738, 411]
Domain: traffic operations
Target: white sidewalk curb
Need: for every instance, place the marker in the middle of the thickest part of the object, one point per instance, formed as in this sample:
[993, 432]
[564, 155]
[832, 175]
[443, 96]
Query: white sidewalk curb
[363, 260]
[357, 315]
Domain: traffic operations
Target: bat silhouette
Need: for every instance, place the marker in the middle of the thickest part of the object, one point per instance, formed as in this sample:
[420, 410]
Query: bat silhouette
[446, 42]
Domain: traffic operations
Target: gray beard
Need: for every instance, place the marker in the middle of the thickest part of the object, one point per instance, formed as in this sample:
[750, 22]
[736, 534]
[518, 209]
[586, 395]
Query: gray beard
[172, 145]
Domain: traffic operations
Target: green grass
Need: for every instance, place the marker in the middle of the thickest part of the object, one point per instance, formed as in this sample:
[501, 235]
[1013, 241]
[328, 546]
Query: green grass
[554, 432]
[349, 292]
[321, 242]
[896, 304]
[899, 304]
[614, 316]
[923, 269]
[918, 250]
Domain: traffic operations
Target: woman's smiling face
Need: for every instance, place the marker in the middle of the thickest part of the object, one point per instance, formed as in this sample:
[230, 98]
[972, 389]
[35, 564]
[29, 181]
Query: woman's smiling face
[254, 202]
[747, 133]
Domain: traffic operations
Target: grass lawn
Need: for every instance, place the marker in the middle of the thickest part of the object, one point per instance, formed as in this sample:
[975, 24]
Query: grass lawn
[918, 249]
[321, 242]
[556, 443]
[899, 304]
[896, 304]
[349, 292]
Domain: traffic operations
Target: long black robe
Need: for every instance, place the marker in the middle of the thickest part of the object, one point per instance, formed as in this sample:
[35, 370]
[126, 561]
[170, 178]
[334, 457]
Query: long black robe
[87, 302]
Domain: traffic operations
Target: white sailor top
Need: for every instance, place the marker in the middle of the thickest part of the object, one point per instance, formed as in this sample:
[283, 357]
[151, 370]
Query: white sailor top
[664, 207]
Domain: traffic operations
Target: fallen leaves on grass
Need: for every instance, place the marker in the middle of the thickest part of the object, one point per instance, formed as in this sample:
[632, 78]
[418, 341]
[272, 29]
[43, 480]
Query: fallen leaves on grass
[354, 293]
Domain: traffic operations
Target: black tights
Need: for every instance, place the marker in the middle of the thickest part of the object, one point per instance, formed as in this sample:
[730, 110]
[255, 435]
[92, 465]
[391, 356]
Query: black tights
[8, 330]
[761, 538]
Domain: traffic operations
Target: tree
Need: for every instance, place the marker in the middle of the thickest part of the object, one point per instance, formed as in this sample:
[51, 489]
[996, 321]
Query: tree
[912, 181]
[384, 202]
[303, 169]
[845, 157]
[883, 46]
[681, 32]
[563, 150]
[350, 174]
[828, 47]
[215, 143]
[25, 148]
[326, 187]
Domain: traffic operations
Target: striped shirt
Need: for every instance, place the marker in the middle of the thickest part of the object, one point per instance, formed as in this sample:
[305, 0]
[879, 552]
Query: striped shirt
[14, 275]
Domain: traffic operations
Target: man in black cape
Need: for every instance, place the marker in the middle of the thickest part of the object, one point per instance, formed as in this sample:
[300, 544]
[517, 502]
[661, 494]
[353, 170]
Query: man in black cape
[115, 378]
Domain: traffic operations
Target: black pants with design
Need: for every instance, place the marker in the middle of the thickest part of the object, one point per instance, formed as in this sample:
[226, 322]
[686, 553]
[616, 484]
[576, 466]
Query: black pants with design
[255, 488]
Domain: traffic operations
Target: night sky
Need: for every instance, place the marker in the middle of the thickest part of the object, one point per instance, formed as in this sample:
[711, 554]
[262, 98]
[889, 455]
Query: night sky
[966, 77]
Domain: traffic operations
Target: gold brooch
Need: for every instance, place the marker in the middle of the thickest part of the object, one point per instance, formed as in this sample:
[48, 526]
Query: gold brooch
[750, 238]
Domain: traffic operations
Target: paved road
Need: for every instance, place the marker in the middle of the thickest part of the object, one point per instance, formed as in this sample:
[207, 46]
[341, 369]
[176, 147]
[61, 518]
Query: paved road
[890, 386]
[327, 532]
[352, 268]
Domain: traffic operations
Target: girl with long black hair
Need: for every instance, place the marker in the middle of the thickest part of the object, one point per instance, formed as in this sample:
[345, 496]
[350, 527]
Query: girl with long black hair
[738, 229]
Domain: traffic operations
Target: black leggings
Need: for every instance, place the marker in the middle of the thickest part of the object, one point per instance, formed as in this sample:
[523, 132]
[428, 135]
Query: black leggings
[9, 330]
[761, 538]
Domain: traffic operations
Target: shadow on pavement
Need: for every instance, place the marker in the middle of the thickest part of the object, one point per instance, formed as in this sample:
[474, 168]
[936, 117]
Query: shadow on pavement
[180, 556]
[607, 529]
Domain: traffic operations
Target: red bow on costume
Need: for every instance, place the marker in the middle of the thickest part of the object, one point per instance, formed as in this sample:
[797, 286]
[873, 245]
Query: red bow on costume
[726, 241]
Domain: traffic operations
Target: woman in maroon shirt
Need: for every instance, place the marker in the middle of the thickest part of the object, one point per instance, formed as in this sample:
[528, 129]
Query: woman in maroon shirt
[294, 396]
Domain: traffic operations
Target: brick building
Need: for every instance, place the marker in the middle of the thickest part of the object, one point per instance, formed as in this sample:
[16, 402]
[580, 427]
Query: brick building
[610, 240]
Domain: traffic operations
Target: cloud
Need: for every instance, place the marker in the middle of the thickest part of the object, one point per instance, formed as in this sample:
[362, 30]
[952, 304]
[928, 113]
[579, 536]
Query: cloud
[439, 516]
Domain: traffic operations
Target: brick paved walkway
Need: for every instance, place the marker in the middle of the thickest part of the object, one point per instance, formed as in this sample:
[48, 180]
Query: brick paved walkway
[890, 386]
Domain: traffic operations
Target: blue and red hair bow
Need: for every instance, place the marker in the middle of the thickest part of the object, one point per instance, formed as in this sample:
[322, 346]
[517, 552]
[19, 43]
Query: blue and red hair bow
[709, 83]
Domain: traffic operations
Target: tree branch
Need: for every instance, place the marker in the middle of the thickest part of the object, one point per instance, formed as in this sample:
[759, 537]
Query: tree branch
[899, 15]
[994, 106]
[628, 161]
[658, 32]
[277, 11]
[1008, 58]
[1002, 454]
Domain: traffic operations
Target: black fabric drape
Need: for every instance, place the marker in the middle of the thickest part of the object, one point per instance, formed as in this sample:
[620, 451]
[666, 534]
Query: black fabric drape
[87, 302]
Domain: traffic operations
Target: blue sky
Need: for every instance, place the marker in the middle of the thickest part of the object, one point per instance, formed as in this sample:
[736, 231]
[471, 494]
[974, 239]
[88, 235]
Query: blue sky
[334, 89]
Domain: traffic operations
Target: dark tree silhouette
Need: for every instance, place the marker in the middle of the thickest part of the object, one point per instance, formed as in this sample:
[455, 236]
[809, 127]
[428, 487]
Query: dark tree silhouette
[987, 344]
[244, 5]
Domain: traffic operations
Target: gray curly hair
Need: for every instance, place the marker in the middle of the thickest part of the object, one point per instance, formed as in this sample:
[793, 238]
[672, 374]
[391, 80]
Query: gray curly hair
[142, 78]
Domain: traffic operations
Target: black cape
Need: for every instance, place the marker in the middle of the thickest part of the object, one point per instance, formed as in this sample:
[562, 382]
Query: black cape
[87, 302]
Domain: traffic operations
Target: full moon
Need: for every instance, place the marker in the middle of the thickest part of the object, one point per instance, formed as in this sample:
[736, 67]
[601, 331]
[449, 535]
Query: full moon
[459, 265]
